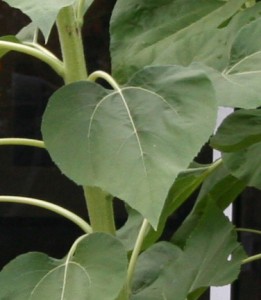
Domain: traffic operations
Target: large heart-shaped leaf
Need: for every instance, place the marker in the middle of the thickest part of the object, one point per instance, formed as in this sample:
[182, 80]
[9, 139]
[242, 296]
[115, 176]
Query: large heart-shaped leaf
[148, 32]
[95, 270]
[203, 262]
[133, 142]
[42, 13]
[238, 130]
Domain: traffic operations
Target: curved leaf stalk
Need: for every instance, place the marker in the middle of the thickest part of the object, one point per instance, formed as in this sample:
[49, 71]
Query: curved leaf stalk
[248, 230]
[136, 251]
[251, 259]
[108, 78]
[71, 46]
[80, 12]
[44, 56]
[41, 48]
[21, 142]
[211, 167]
[74, 246]
[51, 207]
[68, 258]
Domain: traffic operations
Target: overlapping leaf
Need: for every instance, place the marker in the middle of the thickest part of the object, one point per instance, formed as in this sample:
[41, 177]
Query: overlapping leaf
[245, 164]
[203, 262]
[147, 32]
[42, 13]
[239, 84]
[139, 137]
[239, 137]
[238, 131]
[221, 188]
[185, 184]
[219, 34]
[96, 270]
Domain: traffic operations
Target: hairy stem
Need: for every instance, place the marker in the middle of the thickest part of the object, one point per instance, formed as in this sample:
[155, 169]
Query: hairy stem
[71, 46]
[21, 142]
[100, 208]
[49, 206]
[51, 60]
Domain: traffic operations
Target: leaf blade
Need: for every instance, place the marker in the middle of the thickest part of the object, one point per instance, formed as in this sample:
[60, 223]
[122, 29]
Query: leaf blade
[150, 41]
[43, 14]
[202, 263]
[130, 135]
[84, 274]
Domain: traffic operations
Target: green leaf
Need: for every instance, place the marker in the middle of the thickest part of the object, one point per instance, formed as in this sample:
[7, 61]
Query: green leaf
[95, 270]
[214, 33]
[185, 184]
[7, 38]
[239, 84]
[42, 13]
[150, 265]
[27, 33]
[238, 130]
[149, 33]
[203, 262]
[245, 164]
[129, 231]
[141, 136]
[220, 188]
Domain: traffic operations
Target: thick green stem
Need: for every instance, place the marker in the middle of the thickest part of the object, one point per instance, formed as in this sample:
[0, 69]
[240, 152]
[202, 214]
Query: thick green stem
[71, 46]
[100, 208]
[99, 203]
[49, 206]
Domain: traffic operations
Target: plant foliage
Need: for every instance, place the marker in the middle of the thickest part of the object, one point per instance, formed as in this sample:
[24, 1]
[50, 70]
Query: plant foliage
[174, 63]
